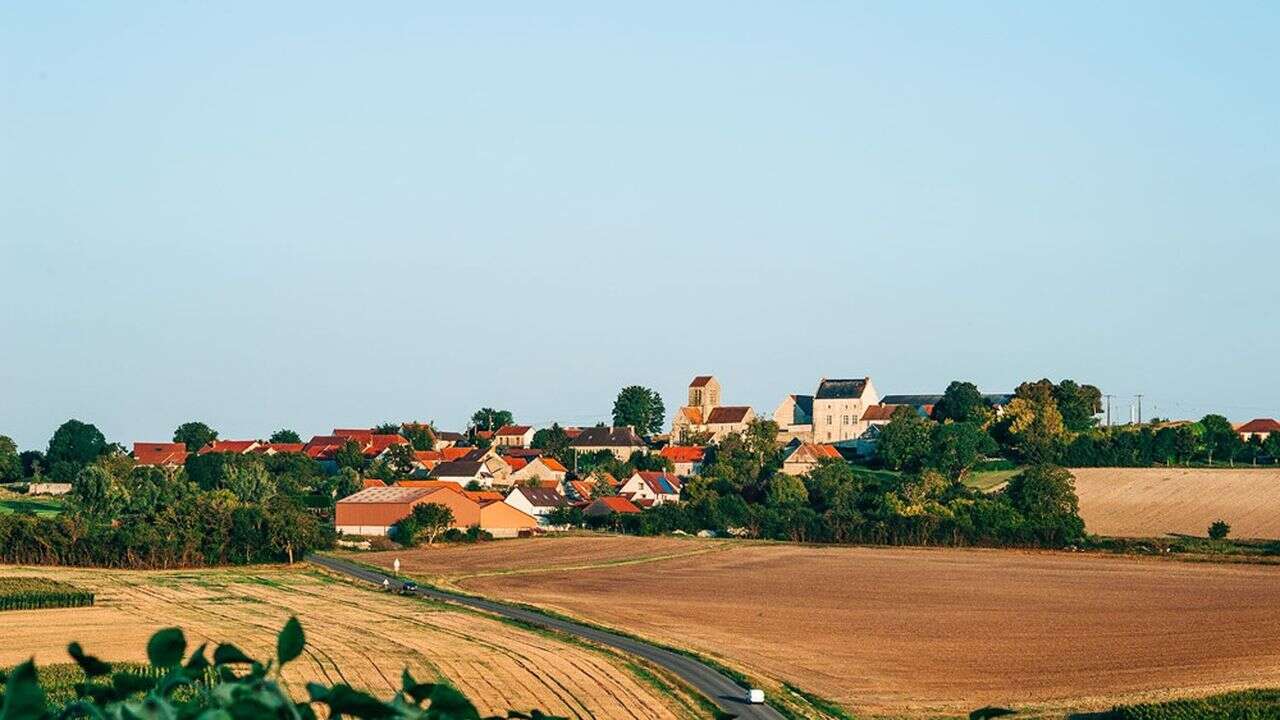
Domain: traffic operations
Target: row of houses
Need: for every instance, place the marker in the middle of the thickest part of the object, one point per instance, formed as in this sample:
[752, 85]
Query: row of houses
[521, 510]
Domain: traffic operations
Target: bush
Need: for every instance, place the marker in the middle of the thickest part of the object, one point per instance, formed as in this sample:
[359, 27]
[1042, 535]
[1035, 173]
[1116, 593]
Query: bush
[1219, 530]
[233, 685]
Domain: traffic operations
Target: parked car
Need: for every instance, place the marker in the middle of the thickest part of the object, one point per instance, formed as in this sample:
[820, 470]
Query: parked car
[409, 587]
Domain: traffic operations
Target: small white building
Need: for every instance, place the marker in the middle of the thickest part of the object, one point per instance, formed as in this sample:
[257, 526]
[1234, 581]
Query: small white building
[520, 436]
[536, 501]
[648, 488]
[463, 472]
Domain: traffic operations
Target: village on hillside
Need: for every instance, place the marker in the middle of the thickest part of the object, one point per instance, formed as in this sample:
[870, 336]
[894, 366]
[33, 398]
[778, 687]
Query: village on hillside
[503, 479]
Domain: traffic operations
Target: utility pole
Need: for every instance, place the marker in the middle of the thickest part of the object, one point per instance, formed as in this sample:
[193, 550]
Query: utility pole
[1108, 397]
[1139, 408]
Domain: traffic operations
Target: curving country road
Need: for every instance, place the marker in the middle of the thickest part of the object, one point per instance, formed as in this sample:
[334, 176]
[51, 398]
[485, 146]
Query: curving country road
[722, 691]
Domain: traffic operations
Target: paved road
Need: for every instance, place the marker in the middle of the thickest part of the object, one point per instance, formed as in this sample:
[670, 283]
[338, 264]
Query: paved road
[706, 679]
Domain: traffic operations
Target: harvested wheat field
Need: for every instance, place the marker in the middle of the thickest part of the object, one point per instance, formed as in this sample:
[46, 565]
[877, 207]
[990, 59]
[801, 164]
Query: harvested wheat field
[919, 631]
[354, 635]
[1149, 502]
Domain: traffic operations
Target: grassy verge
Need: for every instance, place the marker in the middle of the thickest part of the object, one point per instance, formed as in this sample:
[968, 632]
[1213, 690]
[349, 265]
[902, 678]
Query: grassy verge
[42, 506]
[36, 593]
[1191, 548]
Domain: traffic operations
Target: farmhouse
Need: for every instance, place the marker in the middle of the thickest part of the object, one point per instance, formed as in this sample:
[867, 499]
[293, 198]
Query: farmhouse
[1260, 428]
[833, 413]
[538, 501]
[159, 454]
[518, 436]
[647, 488]
[806, 456]
[463, 472]
[542, 468]
[620, 441]
[687, 460]
[610, 505]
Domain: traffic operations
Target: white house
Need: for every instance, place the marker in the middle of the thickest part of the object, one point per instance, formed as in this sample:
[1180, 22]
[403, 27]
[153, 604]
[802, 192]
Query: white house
[463, 472]
[647, 488]
[542, 468]
[538, 502]
[520, 436]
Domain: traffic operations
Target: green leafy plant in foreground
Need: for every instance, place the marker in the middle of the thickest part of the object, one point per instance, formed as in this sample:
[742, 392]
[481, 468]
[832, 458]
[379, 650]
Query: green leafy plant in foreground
[232, 686]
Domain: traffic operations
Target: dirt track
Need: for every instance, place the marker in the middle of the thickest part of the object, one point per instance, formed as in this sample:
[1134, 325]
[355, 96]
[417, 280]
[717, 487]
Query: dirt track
[357, 636]
[1148, 502]
[917, 631]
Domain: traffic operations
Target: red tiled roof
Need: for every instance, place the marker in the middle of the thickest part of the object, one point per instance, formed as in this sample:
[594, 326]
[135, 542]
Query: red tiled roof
[361, 436]
[553, 464]
[618, 504]
[146, 453]
[514, 430]
[373, 482]
[378, 443]
[1258, 425]
[692, 414]
[427, 455]
[572, 432]
[454, 453]
[700, 381]
[683, 453]
[486, 434]
[655, 479]
[580, 489]
[391, 494]
[322, 447]
[482, 496]
[279, 448]
[515, 463]
[726, 414]
[239, 447]
[879, 412]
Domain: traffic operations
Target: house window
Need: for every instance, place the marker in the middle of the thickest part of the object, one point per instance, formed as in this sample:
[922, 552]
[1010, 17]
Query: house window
[828, 422]
[844, 419]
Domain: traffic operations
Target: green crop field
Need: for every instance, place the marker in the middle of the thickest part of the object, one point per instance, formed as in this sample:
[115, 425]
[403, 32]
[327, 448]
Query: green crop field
[1245, 705]
[29, 593]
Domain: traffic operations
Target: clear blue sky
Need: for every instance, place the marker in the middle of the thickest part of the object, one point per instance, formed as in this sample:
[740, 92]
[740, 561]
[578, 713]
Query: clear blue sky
[315, 214]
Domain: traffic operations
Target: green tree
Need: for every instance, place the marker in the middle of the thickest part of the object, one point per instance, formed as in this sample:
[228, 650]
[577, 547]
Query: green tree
[421, 436]
[400, 459]
[489, 419]
[427, 519]
[194, 435]
[1046, 497]
[962, 402]
[350, 455]
[291, 530]
[33, 463]
[386, 428]
[1219, 439]
[283, 435]
[346, 482]
[10, 461]
[555, 441]
[905, 441]
[1219, 530]
[1079, 405]
[957, 446]
[787, 490]
[640, 408]
[1035, 422]
[98, 495]
[249, 481]
[1271, 446]
[74, 445]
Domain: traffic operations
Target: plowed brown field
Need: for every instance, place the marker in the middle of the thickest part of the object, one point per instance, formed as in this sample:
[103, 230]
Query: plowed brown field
[1148, 502]
[354, 635]
[912, 631]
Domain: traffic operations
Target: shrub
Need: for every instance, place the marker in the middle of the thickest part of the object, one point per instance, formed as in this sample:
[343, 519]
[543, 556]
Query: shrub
[233, 685]
[1219, 530]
